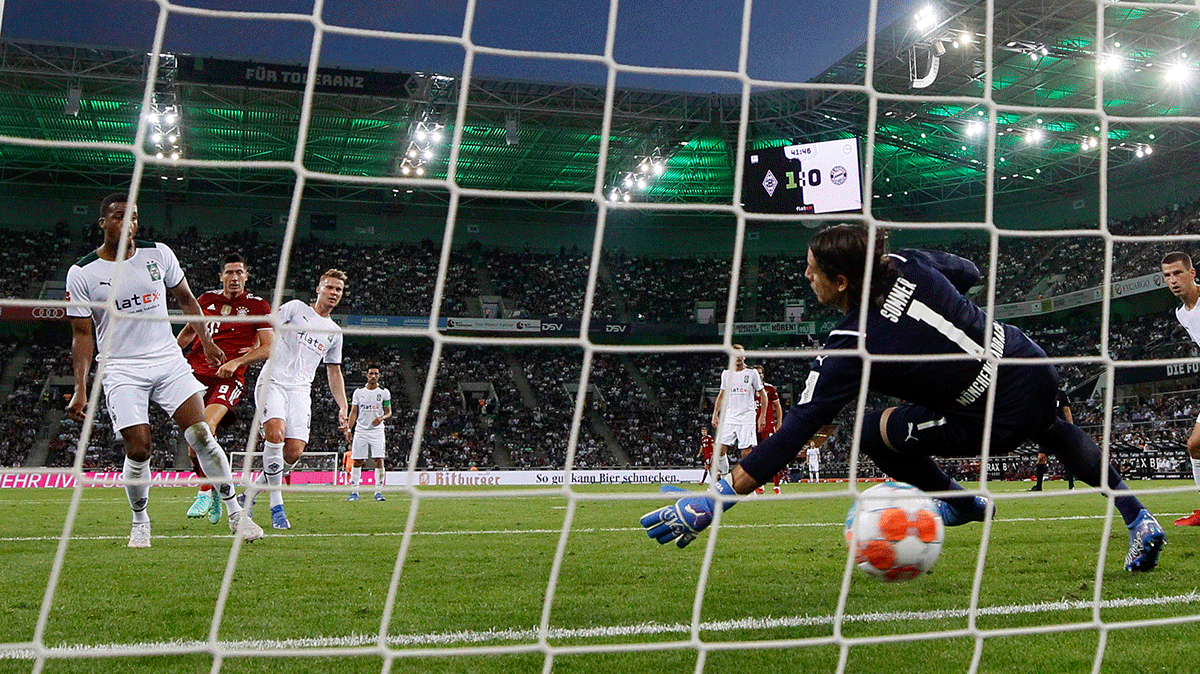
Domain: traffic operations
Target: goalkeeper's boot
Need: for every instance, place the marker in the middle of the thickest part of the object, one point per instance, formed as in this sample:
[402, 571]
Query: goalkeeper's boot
[215, 510]
[353, 496]
[953, 516]
[278, 519]
[1146, 541]
[250, 530]
[379, 497]
[202, 504]
[139, 535]
[1192, 520]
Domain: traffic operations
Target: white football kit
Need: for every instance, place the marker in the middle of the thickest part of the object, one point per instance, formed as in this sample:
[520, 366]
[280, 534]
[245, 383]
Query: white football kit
[739, 418]
[1190, 320]
[369, 437]
[144, 361]
[284, 389]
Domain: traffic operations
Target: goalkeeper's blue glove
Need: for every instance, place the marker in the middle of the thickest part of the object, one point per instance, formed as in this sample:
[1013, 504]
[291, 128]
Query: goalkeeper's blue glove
[684, 519]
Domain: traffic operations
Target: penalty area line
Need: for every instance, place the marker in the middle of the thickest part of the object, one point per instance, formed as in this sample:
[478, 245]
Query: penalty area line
[469, 637]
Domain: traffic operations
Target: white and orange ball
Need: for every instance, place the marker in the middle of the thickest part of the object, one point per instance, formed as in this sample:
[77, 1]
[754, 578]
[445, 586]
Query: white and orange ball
[894, 531]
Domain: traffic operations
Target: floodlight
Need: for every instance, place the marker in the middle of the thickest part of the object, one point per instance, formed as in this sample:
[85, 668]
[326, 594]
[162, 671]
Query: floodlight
[659, 168]
[1177, 73]
[428, 154]
[641, 184]
[406, 170]
[172, 138]
[174, 155]
[412, 154]
[1149, 150]
[158, 155]
[437, 136]
[421, 136]
[170, 118]
[157, 137]
[420, 171]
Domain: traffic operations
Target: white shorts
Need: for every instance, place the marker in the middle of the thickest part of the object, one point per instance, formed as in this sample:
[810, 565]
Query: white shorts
[128, 389]
[813, 465]
[368, 444]
[739, 435]
[294, 406]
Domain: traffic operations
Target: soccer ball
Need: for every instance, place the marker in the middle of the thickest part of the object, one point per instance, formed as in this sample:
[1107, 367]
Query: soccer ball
[894, 531]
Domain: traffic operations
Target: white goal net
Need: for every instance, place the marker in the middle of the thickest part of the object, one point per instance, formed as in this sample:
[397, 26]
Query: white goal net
[551, 278]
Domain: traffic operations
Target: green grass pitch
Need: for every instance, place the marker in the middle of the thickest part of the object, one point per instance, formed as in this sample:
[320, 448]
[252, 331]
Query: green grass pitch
[478, 565]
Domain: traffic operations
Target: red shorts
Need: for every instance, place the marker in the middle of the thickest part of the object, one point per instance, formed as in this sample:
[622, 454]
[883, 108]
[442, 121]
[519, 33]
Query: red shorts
[225, 392]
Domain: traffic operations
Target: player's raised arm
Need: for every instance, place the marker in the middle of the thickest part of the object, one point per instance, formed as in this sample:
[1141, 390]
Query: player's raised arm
[260, 352]
[189, 305]
[83, 349]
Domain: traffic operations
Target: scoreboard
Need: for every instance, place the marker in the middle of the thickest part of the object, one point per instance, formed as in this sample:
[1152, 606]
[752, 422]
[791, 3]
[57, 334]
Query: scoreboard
[811, 178]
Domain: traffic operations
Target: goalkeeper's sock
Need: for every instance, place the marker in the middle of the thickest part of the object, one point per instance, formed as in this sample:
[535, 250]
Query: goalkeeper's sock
[273, 470]
[213, 462]
[1041, 473]
[355, 477]
[138, 494]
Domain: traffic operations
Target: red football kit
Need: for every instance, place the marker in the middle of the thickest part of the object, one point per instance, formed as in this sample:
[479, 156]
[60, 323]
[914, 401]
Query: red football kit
[233, 338]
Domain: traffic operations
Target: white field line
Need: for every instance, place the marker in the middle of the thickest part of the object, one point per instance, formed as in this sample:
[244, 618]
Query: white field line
[466, 637]
[221, 533]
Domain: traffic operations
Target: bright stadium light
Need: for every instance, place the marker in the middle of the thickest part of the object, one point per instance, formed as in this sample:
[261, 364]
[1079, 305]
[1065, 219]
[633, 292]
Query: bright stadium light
[436, 136]
[1177, 74]
[157, 138]
[420, 171]
[158, 155]
[1140, 153]
[641, 184]
[406, 170]
[925, 19]
[1148, 150]
[659, 168]
[170, 118]
[428, 154]
[421, 135]
[1033, 136]
[1112, 63]
[174, 155]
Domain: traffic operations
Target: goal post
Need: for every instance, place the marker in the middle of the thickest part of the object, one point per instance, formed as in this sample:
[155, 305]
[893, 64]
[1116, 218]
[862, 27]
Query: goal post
[317, 467]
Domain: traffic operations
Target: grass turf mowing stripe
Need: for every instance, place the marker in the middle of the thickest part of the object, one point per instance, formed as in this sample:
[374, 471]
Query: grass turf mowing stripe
[464, 637]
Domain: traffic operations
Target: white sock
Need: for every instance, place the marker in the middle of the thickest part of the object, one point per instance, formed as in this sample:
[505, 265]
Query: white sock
[273, 470]
[138, 494]
[379, 478]
[213, 461]
[723, 465]
[355, 477]
[1196, 472]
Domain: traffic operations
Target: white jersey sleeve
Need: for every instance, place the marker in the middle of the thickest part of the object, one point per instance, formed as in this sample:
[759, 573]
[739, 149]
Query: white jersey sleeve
[172, 272]
[78, 292]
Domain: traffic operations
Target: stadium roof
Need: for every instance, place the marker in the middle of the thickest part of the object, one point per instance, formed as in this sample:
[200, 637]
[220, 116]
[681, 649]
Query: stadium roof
[531, 137]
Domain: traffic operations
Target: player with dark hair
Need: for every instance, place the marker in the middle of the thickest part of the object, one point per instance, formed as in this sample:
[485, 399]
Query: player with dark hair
[915, 307]
[706, 452]
[144, 363]
[226, 383]
[284, 389]
[1180, 276]
[370, 406]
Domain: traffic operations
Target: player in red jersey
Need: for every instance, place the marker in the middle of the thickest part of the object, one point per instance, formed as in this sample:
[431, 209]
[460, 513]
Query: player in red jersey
[706, 451]
[225, 383]
[774, 418]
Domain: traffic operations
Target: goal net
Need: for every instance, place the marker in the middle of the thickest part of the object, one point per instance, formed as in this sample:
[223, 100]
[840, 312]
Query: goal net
[552, 277]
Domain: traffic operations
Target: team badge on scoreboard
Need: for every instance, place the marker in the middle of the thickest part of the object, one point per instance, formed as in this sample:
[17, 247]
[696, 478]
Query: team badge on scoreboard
[770, 183]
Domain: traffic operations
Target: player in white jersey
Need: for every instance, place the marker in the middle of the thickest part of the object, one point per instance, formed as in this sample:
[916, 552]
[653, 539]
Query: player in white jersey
[143, 361]
[1180, 277]
[370, 406]
[307, 338]
[814, 463]
[734, 414]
